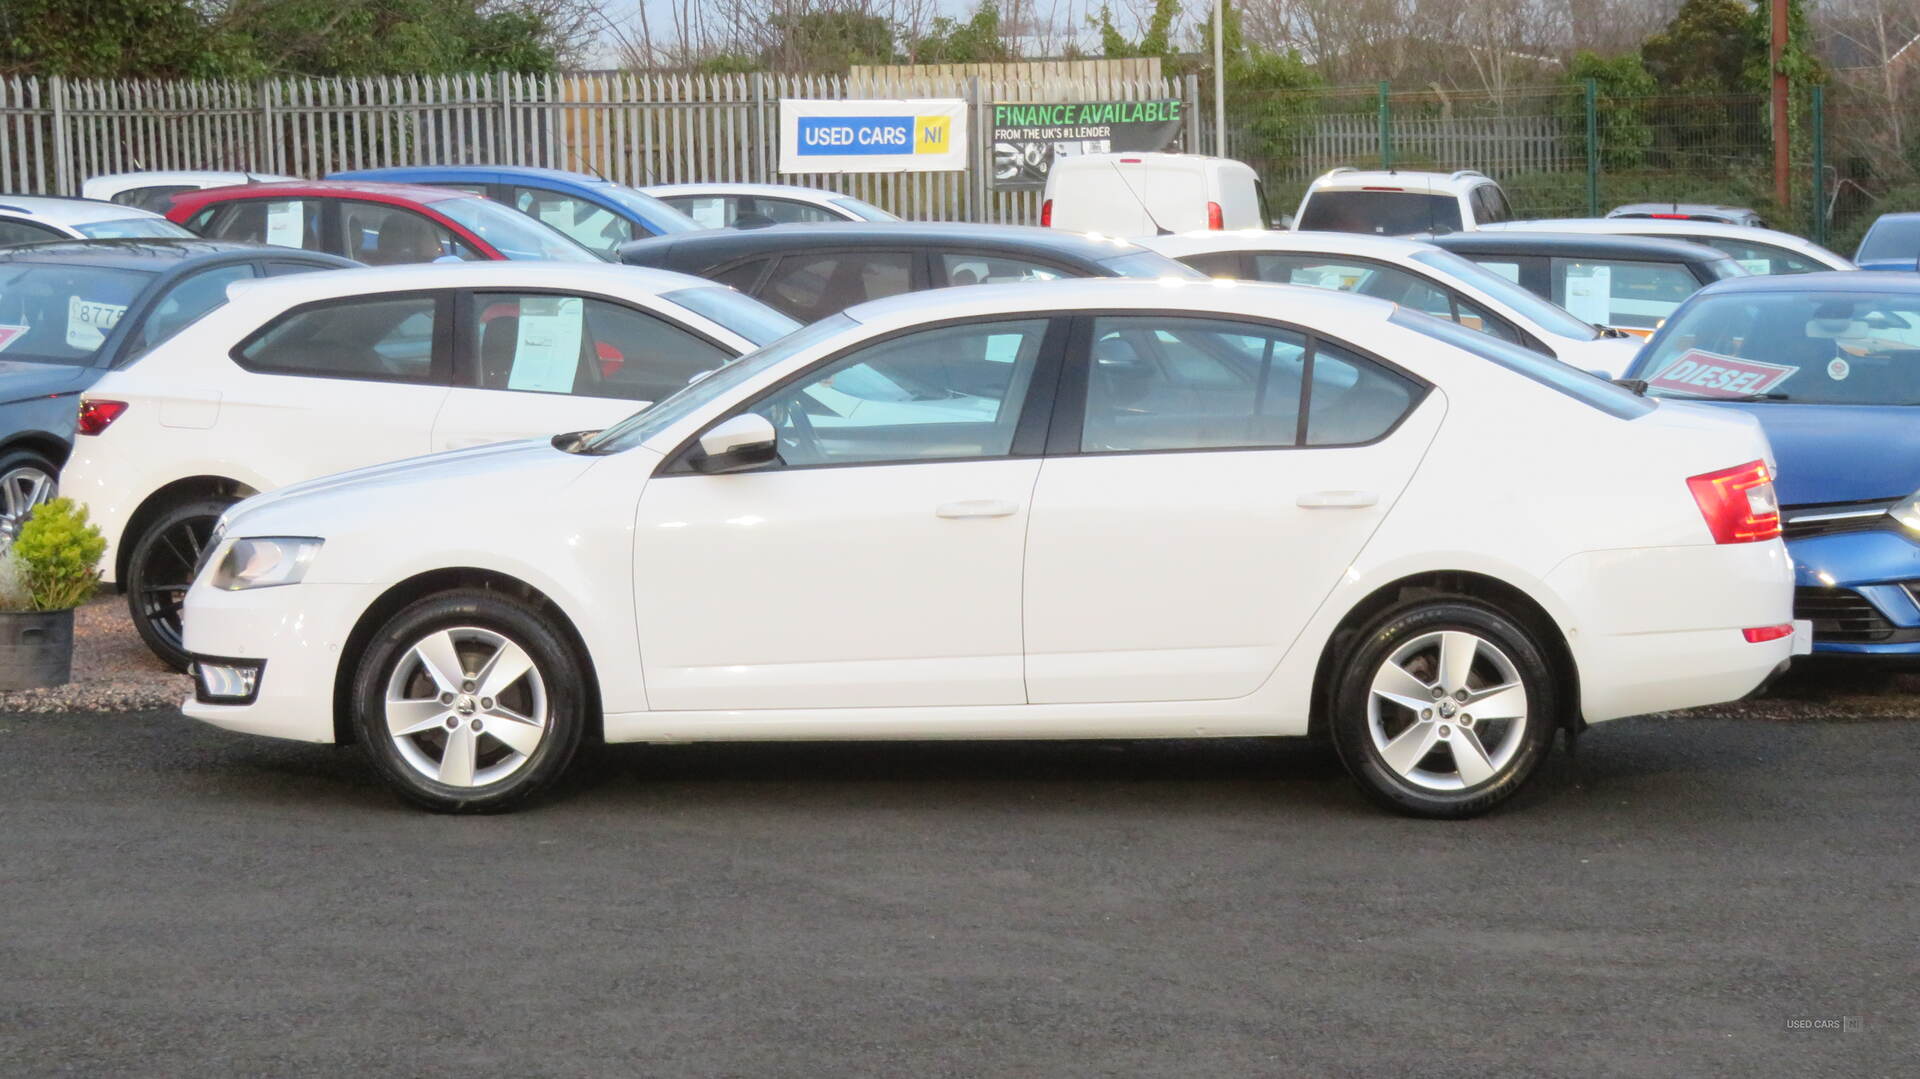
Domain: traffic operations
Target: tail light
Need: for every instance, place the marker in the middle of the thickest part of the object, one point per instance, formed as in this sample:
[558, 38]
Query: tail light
[96, 415]
[1215, 219]
[1738, 503]
[1046, 213]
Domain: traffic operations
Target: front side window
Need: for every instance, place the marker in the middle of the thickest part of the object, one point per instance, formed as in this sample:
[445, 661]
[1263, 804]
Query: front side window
[380, 235]
[811, 287]
[24, 232]
[1619, 292]
[588, 224]
[186, 301]
[584, 346]
[942, 394]
[962, 268]
[389, 339]
[280, 222]
[1853, 348]
[1160, 384]
[750, 211]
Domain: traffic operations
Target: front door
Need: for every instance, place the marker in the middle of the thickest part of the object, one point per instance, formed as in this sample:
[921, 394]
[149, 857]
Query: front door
[878, 563]
[1223, 476]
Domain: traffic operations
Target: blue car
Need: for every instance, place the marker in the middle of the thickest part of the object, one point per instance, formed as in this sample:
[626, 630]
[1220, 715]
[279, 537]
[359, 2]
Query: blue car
[1892, 243]
[598, 214]
[72, 310]
[1829, 363]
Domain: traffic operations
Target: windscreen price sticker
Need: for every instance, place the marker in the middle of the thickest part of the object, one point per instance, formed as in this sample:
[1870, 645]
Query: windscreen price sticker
[88, 323]
[1704, 374]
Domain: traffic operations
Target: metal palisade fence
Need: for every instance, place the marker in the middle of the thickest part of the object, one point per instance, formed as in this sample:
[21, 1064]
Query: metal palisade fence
[634, 128]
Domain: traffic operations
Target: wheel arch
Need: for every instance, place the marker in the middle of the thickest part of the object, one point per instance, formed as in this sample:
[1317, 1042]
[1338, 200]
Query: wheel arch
[422, 585]
[180, 490]
[45, 443]
[1444, 584]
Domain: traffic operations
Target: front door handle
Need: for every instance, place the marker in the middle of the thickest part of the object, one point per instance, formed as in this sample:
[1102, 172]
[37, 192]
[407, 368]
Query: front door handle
[1336, 500]
[977, 507]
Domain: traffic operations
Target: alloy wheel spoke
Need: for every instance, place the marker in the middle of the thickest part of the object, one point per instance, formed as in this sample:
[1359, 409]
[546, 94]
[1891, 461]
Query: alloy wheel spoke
[1393, 683]
[441, 661]
[458, 760]
[518, 736]
[1498, 702]
[414, 715]
[507, 666]
[1457, 650]
[1469, 757]
[1407, 748]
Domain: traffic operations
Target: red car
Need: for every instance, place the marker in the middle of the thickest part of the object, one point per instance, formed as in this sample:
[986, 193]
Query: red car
[378, 224]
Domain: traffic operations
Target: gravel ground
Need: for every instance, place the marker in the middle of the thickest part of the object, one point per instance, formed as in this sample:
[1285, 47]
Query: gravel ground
[112, 670]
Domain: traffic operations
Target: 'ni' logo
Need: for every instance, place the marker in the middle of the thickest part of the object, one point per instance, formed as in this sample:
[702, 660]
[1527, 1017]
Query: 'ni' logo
[932, 134]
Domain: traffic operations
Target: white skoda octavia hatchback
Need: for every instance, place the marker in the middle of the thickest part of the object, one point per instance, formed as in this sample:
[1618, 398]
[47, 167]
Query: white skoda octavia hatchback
[1070, 510]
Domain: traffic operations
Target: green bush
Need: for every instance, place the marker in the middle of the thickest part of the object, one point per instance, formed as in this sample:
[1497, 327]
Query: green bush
[59, 549]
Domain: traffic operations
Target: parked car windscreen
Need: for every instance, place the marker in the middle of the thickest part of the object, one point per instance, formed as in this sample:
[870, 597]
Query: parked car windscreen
[1892, 239]
[512, 233]
[865, 211]
[60, 313]
[1386, 213]
[661, 217]
[1575, 383]
[736, 311]
[131, 228]
[1150, 264]
[1548, 316]
[667, 411]
[1852, 348]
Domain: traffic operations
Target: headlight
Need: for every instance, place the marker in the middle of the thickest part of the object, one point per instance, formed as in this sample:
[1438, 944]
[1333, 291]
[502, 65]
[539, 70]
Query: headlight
[1907, 511]
[264, 561]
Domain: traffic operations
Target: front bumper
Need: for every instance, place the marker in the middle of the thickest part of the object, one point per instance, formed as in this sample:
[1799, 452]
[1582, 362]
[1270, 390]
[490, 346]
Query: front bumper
[1861, 589]
[296, 633]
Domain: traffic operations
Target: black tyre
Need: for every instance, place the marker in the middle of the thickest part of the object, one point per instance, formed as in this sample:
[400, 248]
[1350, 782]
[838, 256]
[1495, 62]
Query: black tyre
[470, 702]
[26, 480]
[160, 569]
[1445, 709]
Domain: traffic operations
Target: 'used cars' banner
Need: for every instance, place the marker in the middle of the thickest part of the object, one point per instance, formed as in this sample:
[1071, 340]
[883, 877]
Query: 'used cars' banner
[926, 135]
[1027, 137]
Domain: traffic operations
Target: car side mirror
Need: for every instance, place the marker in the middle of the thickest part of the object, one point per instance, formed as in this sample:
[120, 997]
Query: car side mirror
[734, 445]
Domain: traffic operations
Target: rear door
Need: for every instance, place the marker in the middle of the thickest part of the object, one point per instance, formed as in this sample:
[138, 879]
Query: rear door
[531, 363]
[1207, 481]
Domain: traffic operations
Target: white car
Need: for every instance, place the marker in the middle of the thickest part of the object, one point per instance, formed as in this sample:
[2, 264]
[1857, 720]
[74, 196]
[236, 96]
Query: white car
[1397, 203]
[749, 206]
[1409, 272]
[155, 190]
[1757, 250]
[1079, 509]
[300, 377]
[31, 219]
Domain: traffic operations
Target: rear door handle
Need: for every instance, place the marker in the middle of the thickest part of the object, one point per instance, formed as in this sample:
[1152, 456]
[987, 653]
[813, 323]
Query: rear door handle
[977, 507]
[1336, 500]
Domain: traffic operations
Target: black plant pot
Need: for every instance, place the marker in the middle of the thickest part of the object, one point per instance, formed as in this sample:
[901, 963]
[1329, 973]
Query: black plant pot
[36, 649]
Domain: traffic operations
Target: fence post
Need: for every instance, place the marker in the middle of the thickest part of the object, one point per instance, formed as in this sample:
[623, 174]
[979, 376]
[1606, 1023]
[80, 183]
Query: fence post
[1192, 133]
[62, 168]
[760, 111]
[500, 141]
[1819, 165]
[1386, 128]
[263, 161]
[1593, 148]
[976, 172]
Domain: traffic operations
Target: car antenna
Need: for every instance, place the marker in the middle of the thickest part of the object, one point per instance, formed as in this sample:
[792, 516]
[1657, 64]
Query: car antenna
[1158, 228]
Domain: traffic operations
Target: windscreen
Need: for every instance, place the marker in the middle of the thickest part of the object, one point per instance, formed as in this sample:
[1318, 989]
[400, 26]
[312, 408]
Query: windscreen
[132, 228]
[512, 233]
[1149, 264]
[1853, 348]
[1575, 383]
[1548, 316]
[736, 311]
[61, 313]
[1892, 239]
[1385, 213]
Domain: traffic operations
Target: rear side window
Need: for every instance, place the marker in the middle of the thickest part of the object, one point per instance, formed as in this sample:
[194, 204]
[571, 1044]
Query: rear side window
[21, 232]
[381, 235]
[1761, 259]
[157, 198]
[1565, 378]
[585, 346]
[388, 339]
[964, 268]
[1385, 213]
[1624, 293]
[1217, 263]
[280, 222]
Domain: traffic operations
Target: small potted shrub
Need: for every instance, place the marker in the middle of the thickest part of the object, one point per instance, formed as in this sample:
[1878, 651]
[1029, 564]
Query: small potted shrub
[50, 569]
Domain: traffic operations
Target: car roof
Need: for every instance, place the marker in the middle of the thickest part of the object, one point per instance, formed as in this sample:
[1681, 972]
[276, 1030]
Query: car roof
[337, 189]
[1901, 215]
[1647, 226]
[1433, 182]
[728, 243]
[660, 191]
[165, 177]
[69, 211]
[586, 276]
[1275, 301]
[1320, 243]
[457, 172]
[1577, 245]
[157, 254]
[1635, 208]
[1905, 282]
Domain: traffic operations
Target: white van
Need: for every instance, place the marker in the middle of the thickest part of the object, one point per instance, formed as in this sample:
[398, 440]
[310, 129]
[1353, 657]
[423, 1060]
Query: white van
[1151, 194]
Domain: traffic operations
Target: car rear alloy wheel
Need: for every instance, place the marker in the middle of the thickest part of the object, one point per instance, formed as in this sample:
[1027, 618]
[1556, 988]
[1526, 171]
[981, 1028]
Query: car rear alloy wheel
[161, 568]
[26, 480]
[1446, 708]
[470, 701]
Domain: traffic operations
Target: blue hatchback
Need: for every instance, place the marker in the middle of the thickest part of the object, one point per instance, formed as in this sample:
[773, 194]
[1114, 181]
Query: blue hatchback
[1892, 243]
[598, 214]
[1830, 365]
